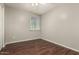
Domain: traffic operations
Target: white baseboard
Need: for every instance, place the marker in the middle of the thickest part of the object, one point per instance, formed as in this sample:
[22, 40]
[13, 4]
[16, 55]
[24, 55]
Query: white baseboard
[20, 41]
[2, 46]
[46, 40]
[62, 45]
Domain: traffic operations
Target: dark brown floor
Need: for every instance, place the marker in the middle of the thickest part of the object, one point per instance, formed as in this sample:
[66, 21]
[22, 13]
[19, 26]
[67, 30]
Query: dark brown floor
[36, 47]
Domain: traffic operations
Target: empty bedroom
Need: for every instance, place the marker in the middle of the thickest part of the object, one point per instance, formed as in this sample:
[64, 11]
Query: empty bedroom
[39, 29]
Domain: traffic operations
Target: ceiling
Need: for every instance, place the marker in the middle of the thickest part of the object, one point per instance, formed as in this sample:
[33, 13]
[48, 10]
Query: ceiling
[39, 9]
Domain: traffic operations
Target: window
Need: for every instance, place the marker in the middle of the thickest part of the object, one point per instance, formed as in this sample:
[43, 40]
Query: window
[35, 23]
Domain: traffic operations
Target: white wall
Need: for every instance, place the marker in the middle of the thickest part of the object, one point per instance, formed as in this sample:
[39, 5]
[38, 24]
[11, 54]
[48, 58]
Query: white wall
[17, 26]
[1, 26]
[61, 25]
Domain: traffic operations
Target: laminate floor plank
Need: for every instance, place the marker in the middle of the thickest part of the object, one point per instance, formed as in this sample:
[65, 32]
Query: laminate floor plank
[36, 47]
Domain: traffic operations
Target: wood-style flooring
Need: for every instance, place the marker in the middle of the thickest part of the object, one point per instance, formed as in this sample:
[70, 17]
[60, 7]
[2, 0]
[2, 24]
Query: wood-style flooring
[36, 47]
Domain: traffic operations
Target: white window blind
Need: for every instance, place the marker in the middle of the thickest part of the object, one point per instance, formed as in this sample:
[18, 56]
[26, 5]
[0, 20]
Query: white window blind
[35, 23]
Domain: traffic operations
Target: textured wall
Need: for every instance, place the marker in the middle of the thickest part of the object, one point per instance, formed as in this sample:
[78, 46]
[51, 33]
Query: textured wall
[17, 26]
[61, 25]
